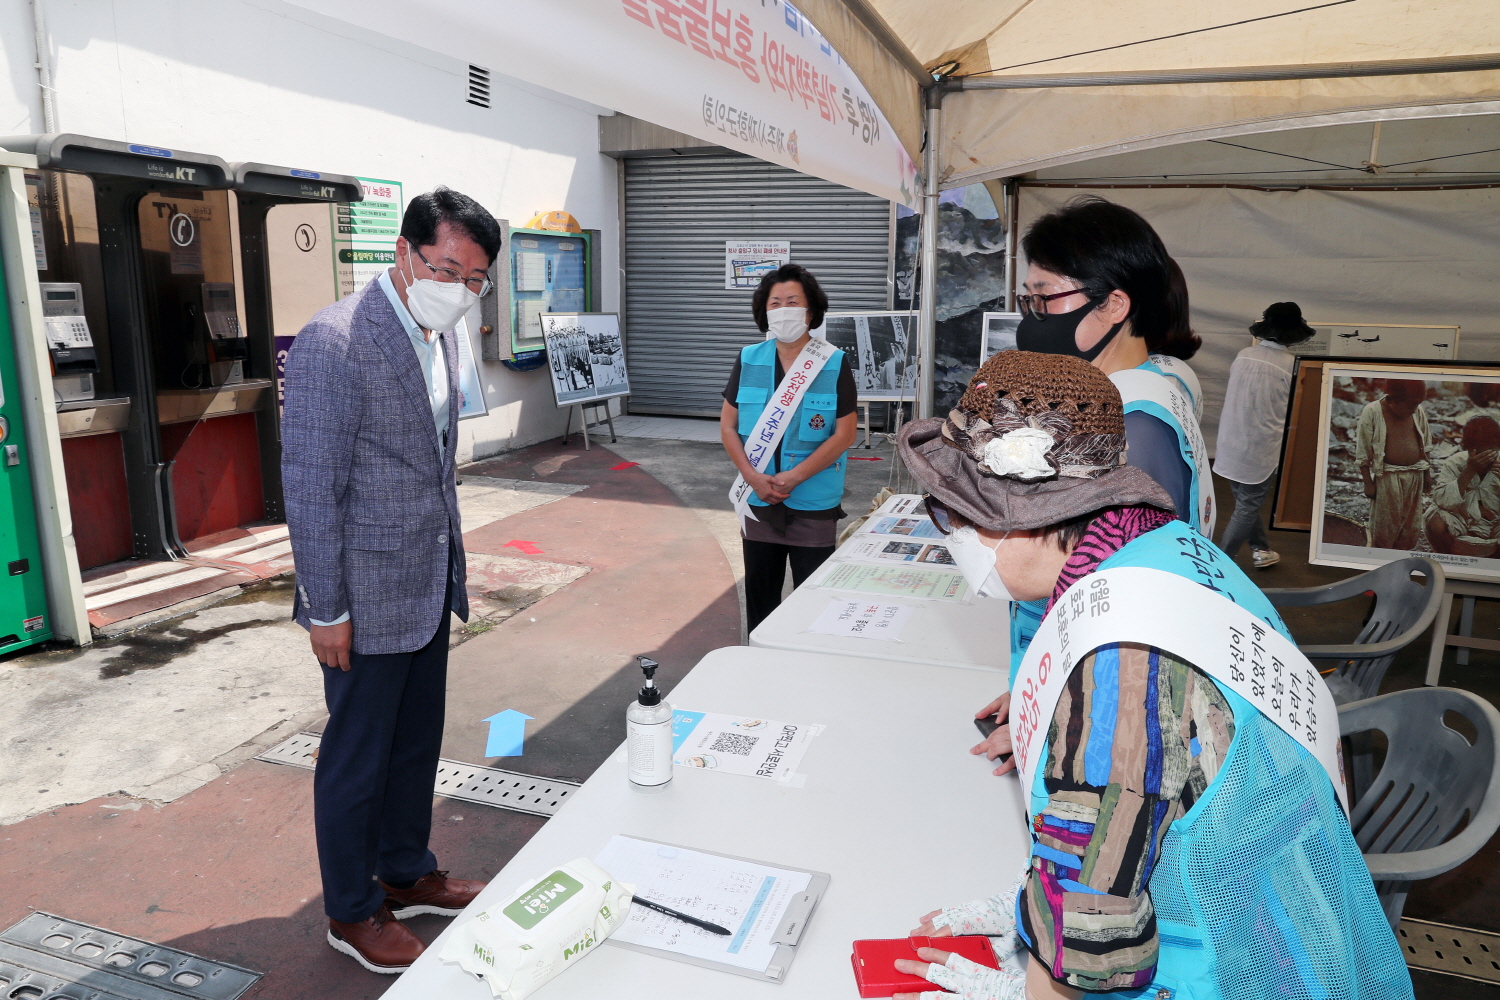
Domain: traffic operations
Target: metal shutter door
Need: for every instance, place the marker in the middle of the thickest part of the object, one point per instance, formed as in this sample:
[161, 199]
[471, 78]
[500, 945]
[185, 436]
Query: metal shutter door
[683, 328]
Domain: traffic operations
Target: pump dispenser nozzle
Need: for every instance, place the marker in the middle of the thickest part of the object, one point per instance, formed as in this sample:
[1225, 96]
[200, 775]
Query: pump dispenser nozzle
[650, 694]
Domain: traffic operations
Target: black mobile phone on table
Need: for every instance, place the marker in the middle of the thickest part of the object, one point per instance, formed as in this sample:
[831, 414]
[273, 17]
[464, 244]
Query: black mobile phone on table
[986, 726]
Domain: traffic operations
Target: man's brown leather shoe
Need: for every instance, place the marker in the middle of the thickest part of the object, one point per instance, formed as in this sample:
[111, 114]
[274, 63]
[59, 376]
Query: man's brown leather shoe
[434, 893]
[380, 943]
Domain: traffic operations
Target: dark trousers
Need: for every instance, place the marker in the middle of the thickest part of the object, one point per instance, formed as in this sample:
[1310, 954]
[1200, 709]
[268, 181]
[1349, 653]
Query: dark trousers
[765, 574]
[372, 790]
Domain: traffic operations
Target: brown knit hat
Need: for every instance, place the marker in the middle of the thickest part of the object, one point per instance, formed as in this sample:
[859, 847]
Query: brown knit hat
[1036, 439]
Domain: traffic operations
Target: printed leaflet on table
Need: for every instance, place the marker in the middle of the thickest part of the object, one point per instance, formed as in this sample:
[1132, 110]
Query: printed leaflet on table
[863, 619]
[894, 548]
[737, 744]
[746, 897]
[897, 581]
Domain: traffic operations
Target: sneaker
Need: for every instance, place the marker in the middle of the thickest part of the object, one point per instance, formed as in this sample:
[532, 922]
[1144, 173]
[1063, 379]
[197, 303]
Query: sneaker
[1264, 557]
[434, 893]
[380, 942]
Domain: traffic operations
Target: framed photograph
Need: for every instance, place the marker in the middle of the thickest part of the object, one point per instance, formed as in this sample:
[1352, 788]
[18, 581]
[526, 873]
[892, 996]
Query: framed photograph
[997, 333]
[882, 349]
[585, 356]
[1292, 506]
[1381, 340]
[1408, 464]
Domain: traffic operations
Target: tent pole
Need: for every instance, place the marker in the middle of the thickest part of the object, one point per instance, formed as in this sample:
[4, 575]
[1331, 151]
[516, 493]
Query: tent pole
[1012, 239]
[927, 320]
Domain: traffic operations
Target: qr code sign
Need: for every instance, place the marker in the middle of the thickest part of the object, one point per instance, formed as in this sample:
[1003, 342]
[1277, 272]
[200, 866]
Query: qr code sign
[734, 743]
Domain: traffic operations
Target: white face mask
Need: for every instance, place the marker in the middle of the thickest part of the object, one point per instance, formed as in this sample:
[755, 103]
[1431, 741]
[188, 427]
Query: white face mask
[787, 325]
[438, 305]
[976, 561]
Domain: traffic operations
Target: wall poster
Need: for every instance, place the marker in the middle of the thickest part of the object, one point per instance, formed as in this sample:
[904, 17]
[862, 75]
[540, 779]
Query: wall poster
[364, 234]
[585, 357]
[1381, 340]
[747, 261]
[1409, 464]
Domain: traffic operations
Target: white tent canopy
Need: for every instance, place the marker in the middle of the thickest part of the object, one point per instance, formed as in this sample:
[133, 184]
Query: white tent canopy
[1040, 83]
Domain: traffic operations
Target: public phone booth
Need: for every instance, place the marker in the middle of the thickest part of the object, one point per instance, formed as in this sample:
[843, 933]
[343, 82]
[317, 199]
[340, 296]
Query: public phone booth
[157, 297]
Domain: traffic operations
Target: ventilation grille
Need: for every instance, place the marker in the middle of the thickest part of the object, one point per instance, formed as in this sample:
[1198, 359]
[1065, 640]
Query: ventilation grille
[479, 86]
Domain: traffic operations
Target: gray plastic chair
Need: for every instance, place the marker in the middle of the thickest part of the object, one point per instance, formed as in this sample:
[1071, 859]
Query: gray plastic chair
[1431, 782]
[1403, 610]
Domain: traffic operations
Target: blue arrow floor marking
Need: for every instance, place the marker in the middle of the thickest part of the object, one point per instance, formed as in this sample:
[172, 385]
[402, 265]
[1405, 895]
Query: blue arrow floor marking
[507, 733]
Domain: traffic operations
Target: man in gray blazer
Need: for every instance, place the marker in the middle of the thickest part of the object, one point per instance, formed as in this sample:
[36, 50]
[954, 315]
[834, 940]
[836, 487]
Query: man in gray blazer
[368, 440]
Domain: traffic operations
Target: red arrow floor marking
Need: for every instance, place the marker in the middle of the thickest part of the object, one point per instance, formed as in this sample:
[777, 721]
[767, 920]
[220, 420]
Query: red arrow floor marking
[527, 547]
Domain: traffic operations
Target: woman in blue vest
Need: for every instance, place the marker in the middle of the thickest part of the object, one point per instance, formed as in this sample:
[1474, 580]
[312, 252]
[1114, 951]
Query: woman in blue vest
[793, 509]
[1184, 844]
[1100, 286]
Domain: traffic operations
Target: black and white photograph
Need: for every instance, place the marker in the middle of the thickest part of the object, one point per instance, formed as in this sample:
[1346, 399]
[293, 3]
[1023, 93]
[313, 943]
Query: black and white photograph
[881, 348]
[585, 356]
[998, 334]
[1409, 464]
[1381, 340]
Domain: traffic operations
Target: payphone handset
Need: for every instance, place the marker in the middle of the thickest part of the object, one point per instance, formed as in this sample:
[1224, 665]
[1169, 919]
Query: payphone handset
[219, 310]
[74, 360]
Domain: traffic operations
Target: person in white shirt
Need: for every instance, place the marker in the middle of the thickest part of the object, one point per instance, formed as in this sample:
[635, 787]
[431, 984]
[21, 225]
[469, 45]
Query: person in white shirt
[1251, 425]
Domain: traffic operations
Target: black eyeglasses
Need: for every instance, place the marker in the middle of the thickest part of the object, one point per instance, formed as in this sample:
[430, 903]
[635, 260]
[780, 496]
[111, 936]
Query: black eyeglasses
[1035, 306]
[448, 274]
[942, 519]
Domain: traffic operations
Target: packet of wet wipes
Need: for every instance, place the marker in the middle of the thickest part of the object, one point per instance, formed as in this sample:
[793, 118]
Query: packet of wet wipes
[541, 929]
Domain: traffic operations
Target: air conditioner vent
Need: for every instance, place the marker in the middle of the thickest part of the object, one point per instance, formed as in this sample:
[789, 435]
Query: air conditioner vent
[479, 86]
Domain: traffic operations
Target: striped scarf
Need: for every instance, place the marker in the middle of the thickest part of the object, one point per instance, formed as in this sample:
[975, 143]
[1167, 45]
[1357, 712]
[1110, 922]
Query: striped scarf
[1107, 534]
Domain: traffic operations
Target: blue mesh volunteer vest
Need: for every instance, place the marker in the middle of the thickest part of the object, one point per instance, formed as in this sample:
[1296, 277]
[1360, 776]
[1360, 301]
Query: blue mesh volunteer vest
[811, 426]
[1167, 417]
[1260, 890]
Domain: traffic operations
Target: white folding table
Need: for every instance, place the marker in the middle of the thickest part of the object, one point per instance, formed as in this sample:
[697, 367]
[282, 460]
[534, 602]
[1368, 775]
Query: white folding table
[973, 634]
[893, 807]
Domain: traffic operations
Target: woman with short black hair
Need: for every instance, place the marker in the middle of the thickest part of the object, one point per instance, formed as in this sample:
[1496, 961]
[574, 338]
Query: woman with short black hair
[787, 440]
[1102, 287]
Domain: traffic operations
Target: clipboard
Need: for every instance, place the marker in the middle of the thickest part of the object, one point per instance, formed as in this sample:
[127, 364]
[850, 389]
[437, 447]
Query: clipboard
[799, 910]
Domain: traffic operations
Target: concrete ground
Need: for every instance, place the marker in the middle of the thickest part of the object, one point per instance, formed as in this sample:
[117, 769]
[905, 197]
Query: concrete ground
[131, 800]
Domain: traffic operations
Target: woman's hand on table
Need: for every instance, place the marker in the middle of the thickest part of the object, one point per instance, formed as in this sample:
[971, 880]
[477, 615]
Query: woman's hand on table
[998, 742]
[928, 930]
[958, 975]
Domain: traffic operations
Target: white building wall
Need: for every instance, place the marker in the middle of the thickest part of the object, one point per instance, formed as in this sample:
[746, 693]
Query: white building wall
[267, 81]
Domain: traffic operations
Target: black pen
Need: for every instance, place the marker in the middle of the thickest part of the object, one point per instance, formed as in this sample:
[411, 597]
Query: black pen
[711, 928]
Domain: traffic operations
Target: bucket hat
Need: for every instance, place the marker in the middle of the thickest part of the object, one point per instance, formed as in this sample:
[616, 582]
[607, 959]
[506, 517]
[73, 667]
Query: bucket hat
[1283, 323]
[1036, 439]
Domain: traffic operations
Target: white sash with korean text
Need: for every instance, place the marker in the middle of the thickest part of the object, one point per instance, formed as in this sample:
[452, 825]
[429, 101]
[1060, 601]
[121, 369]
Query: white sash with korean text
[1139, 385]
[760, 446]
[1225, 641]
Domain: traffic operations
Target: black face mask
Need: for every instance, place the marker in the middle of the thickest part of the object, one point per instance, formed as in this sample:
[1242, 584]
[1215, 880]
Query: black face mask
[1057, 334]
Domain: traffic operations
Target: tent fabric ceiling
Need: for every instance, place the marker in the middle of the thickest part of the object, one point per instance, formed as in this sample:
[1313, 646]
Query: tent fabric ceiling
[1000, 133]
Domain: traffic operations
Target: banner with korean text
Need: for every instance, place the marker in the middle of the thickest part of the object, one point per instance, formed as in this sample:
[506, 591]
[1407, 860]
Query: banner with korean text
[751, 75]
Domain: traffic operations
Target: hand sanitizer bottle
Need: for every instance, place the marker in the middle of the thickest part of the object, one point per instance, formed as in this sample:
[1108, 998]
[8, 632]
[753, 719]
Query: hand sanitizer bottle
[648, 732]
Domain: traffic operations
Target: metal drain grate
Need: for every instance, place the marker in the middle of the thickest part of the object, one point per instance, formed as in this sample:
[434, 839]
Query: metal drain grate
[43, 954]
[487, 786]
[1457, 951]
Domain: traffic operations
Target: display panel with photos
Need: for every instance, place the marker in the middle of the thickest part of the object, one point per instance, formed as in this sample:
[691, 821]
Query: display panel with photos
[1408, 464]
[998, 333]
[585, 357]
[881, 348]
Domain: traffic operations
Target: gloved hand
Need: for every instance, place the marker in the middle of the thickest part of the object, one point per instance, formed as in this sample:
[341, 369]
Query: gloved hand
[995, 916]
[959, 976]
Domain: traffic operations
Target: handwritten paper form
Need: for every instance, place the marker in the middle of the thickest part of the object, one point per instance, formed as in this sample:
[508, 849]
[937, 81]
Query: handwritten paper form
[747, 898]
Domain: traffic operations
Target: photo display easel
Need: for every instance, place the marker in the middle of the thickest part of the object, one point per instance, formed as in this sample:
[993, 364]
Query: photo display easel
[586, 364]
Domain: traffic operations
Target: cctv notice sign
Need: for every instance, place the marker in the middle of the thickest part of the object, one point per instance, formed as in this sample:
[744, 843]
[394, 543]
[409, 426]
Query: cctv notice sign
[364, 234]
